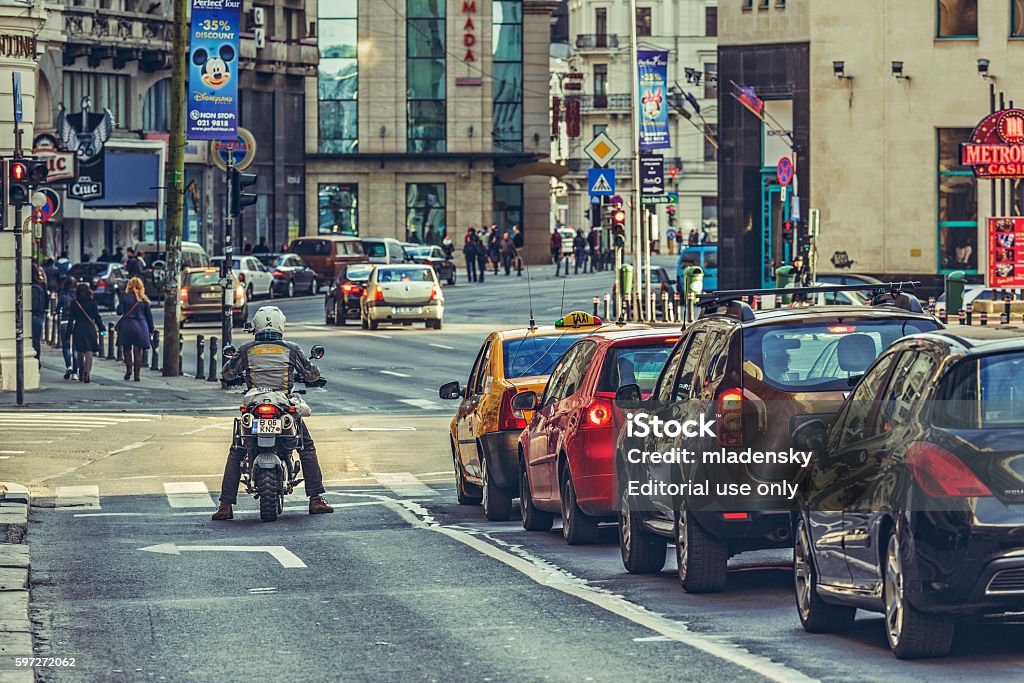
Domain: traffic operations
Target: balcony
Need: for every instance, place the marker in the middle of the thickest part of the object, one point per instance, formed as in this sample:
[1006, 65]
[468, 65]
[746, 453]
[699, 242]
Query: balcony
[121, 36]
[613, 102]
[596, 41]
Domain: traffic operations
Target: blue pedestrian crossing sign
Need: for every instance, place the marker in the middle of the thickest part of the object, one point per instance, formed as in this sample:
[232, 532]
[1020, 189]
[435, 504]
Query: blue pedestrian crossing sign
[601, 182]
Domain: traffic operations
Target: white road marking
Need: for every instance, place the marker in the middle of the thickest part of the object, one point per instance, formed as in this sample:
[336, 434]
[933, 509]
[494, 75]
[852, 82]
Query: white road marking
[125, 449]
[188, 494]
[87, 497]
[207, 513]
[394, 374]
[422, 403]
[404, 484]
[20, 441]
[442, 346]
[13, 452]
[5, 457]
[382, 429]
[287, 558]
[263, 591]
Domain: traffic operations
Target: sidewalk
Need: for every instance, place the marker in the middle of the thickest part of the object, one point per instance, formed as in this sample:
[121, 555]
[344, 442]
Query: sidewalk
[15, 627]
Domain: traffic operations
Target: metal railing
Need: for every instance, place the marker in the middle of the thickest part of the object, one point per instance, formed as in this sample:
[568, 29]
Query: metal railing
[593, 41]
[605, 102]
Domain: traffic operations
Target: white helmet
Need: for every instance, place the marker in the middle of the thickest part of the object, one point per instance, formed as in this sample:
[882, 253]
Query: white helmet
[268, 319]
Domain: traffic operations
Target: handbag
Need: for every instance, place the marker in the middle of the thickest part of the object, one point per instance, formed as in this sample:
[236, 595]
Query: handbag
[117, 325]
[99, 334]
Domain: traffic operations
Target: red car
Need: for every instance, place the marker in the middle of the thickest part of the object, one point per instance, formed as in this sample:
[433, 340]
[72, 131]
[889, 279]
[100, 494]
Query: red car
[567, 451]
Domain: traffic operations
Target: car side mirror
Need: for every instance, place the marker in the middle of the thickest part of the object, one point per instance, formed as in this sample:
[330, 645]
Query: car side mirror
[228, 351]
[525, 400]
[316, 353]
[809, 436]
[450, 391]
[629, 393]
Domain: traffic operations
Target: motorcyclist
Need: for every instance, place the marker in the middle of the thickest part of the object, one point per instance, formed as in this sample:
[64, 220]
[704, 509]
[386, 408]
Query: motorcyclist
[269, 361]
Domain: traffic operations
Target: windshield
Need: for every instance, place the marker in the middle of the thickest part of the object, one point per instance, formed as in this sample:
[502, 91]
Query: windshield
[311, 248]
[829, 355]
[983, 393]
[535, 355]
[375, 249]
[204, 278]
[405, 275]
[633, 365]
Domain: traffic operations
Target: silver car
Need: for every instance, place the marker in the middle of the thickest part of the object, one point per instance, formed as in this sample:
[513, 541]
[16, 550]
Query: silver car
[402, 294]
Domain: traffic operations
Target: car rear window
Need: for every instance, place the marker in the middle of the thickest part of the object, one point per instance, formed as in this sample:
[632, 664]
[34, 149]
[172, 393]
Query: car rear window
[405, 275]
[633, 365]
[358, 272]
[204, 278]
[311, 248]
[375, 249]
[986, 392]
[86, 269]
[534, 355]
[821, 356]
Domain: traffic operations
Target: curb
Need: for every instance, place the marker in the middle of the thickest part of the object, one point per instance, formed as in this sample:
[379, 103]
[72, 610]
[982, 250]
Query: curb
[15, 565]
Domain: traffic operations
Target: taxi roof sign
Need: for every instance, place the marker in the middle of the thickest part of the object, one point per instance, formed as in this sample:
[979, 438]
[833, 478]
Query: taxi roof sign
[578, 319]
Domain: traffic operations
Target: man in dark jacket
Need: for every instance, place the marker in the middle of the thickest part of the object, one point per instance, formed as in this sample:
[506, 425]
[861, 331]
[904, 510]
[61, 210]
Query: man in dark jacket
[40, 297]
[135, 265]
[469, 253]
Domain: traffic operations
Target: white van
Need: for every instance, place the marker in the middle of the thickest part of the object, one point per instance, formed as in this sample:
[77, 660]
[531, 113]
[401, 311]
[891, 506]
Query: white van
[192, 254]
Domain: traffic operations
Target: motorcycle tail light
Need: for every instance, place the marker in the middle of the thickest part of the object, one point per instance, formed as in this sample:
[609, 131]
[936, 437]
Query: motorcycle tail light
[266, 411]
[941, 474]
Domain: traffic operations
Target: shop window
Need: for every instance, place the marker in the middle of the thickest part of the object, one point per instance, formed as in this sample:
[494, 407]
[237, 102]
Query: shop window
[156, 109]
[957, 18]
[508, 206]
[338, 206]
[957, 210]
[426, 218]
[507, 53]
[643, 21]
[711, 81]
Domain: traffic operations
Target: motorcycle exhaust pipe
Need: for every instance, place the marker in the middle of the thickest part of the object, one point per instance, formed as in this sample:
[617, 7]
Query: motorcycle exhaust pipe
[247, 421]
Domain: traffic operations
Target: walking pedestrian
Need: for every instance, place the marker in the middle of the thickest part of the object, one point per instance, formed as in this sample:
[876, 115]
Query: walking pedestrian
[448, 246]
[517, 241]
[508, 253]
[65, 303]
[556, 251]
[693, 237]
[135, 265]
[40, 297]
[594, 244]
[63, 265]
[135, 328]
[579, 245]
[469, 253]
[494, 248]
[481, 259]
[86, 329]
[52, 275]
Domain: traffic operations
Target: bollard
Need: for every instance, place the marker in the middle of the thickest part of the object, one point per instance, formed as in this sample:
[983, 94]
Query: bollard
[110, 342]
[931, 305]
[677, 308]
[984, 318]
[200, 361]
[970, 314]
[117, 345]
[212, 376]
[1007, 297]
[595, 306]
[962, 317]
[607, 306]
[664, 307]
[652, 306]
[181, 353]
[154, 360]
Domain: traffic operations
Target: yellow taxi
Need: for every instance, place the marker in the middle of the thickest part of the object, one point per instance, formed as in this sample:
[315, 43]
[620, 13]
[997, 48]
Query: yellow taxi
[485, 429]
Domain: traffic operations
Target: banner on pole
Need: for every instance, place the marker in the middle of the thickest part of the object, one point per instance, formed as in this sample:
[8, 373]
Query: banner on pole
[1005, 253]
[653, 104]
[213, 70]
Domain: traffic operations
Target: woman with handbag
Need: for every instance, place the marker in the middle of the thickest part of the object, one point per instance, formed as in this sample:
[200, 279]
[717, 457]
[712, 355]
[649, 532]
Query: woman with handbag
[135, 328]
[86, 329]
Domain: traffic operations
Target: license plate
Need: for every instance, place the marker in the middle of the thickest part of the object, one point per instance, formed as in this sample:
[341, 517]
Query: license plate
[268, 427]
[210, 295]
[408, 309]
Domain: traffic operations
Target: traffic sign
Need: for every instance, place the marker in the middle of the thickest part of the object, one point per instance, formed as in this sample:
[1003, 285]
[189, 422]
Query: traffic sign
[670, 234]
[656, 199]
[652, 174]
[601, 182]
[48, 207]
[784, 171]
[673, 197]
[602, 149]
[242, 150]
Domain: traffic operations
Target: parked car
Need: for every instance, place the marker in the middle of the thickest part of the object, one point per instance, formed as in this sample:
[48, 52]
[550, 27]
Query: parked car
[921, 503]
[755, 374]
[402, 294]
[434, 257]
[342, 299]
[328, 255]
[291, 274]
[250, 271]
[202, 297]
[107, 281]
[567, 450]
[705, 256]
[384, 250]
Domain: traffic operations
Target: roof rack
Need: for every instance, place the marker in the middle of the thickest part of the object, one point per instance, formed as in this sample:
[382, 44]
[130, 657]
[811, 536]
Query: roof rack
[731, 302]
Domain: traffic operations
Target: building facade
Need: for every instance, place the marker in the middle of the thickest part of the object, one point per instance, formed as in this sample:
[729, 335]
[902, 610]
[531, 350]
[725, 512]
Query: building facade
[687, 30]
[428, 117]
[878, 96]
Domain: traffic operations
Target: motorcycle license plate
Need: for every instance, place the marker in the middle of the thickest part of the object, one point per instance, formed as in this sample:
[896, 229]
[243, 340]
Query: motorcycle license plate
[267, 427]
[415, 310]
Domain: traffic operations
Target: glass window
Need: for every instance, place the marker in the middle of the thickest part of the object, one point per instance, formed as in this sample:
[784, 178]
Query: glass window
[338, 38]
[862, 403]
[426, 220]
[156, 110]
[694, 349]
[633, 365]
[508, 82]
[508, 42]
[338, 76]
[957, 196]
[710, 151]
[425, 8]
[508, 12]
[957, 18]
[508, 205]
[338, 9]
[909, 382]
[711, 21]
[105, 91]
[425, 38]
[643, 21]
[1017, 19]
[338, 208]
[426, 73]
[601, 80]
[983, 393]
[507, 52]
[426, 79]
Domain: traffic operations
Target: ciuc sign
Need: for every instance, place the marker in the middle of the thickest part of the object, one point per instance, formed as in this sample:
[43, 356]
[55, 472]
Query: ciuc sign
[996, 149]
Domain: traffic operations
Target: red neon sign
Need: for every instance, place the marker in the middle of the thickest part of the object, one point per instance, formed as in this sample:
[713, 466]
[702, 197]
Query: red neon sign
[469, 30]
[996, 149]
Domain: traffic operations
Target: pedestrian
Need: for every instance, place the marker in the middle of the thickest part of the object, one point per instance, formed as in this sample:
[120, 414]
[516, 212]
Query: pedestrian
[469, 253]
[65, 303]
[86, 329]
[448, 246]
[429, 235]
[517, 241]
[104, 256]
[52, 275]
[63, 265]
[247, 248]
[481, 259]
[692, 239]
[579, 245]
[135, 265]
[508, 253]
[705, 238]
[494, 248]
[135, 328]
[802, 274]
[118, 255]
[556, 251]
[679, 241]
[261, 247]
[40, 299]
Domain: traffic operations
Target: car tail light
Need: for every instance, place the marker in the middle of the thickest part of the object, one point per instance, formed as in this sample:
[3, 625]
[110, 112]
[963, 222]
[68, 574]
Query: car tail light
[735, 516]
[348, 288]
[730, 416]
[279, 274]
[435, 294]
[184, 294]
[265, 411]
[378, 293]
[941, 474]
[598, 414]
[507, 419]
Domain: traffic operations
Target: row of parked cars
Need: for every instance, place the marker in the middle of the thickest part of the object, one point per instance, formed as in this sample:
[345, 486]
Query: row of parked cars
[912, 504]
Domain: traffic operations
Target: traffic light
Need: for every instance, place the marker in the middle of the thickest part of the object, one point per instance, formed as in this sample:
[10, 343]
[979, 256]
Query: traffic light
[238, 200]
[671, 216]
[619, 218]
[22, 175]
[787, 231]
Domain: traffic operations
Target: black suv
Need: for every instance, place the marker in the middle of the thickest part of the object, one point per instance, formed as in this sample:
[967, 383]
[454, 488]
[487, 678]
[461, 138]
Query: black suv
[917, 500]
[755, 375]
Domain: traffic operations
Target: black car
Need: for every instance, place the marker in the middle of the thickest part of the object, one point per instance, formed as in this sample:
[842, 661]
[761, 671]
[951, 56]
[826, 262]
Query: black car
[915, 501]
[342, 299]
[752, 375]
[433, 256]
[291, 274]
[107, 281]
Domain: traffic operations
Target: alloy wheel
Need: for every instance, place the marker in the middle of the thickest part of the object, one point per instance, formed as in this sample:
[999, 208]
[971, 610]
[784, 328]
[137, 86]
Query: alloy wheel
[894, 591]
[802, 572]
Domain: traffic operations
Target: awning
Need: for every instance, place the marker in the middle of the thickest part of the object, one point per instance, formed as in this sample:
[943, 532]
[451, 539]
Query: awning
[535, 168]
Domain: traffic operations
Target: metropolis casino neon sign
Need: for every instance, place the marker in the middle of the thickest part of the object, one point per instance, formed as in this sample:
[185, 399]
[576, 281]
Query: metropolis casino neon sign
[996, 149]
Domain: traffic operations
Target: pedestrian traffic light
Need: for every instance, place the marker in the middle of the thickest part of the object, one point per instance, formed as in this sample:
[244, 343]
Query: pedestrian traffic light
[17, 181]
[238, 200]
[671, 216]
[787, 231]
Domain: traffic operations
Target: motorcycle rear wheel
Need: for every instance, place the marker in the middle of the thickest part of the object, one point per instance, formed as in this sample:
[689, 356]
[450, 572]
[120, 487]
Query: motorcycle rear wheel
[267, 487]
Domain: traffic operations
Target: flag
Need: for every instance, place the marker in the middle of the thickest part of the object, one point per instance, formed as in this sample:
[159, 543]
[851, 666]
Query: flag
[749, 99]
[693, 101]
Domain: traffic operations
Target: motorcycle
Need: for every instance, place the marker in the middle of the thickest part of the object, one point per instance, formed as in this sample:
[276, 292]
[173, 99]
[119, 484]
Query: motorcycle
[269, 430]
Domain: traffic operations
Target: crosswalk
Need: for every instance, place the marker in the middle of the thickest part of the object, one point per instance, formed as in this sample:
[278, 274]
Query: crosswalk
[31, 427]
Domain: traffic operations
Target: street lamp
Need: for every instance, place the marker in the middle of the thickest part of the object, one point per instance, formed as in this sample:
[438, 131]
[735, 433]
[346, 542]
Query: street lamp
[897, 71]
[983, 65]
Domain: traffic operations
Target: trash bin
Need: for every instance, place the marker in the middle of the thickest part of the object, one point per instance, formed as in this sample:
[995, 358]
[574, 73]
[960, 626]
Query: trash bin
[955, 282]
[625, 279]
[785, 276]
[693, 285]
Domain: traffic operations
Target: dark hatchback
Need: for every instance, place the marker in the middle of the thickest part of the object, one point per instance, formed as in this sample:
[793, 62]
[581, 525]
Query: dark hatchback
[291, 274]
[107, 281]
[434, 257]
[915, 506]
[341, 302]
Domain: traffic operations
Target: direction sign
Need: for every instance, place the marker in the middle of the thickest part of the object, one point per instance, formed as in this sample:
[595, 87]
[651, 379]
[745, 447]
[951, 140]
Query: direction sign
[784, 171]
[601, 182]
[652, 174]
[602, 149]
[657, 199]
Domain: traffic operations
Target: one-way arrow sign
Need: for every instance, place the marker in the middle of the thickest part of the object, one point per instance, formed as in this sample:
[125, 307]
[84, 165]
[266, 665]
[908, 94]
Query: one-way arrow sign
[287, 558]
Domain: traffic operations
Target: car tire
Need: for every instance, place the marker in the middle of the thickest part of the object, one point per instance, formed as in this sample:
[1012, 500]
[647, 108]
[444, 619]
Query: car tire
[577, 527]
[291, 289]
[362, 323]
[464, 492]
[314, 287]
[816, 615]
[451, 280]
[339, 317]
[374, 324]
[642, 552]
[115, 301]
[702, 560]
[271, 291]
[497, 501]
[912, 634]
[328, 318]
[533, 519]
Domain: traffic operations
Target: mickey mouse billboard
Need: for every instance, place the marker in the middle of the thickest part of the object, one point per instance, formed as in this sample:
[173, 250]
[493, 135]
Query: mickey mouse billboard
[213, 70]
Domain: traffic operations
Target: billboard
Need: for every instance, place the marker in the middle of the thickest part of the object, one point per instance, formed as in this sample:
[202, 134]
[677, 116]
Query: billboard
[653, 114]
[213, 70]
[1006, 253]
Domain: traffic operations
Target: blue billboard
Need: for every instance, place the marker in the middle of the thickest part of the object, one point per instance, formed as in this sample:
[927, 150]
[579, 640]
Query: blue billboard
[213, 70]
[653, 114]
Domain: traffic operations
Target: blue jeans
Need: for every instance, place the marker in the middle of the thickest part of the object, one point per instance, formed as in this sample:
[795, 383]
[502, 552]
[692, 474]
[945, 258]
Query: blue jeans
[37, 332]
[70, 357]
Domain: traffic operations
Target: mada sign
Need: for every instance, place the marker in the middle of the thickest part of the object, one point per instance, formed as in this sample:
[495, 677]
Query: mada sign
[996, 149]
